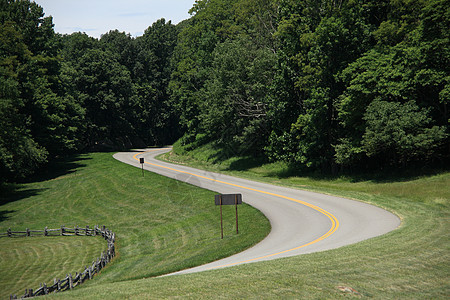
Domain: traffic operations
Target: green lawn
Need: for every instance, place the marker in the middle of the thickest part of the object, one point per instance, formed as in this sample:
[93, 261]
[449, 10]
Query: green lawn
[162, 225]
[29, 261]
[411, 262]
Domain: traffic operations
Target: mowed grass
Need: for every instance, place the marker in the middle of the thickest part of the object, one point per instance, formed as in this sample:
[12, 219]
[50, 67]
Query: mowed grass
[411, 262]
[162, 225]
[28, 262]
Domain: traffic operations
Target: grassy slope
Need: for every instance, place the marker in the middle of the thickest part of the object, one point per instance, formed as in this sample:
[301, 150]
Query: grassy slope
[162, 225]
[27, 262]
[411, 262]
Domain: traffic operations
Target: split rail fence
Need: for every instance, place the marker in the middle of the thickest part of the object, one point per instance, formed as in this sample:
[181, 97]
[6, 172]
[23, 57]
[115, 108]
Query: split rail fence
[70, 281]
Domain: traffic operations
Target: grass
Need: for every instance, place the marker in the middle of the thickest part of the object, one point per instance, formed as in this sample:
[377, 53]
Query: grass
[412, 185]
[28, 262]
[411, 262]
[162, 225]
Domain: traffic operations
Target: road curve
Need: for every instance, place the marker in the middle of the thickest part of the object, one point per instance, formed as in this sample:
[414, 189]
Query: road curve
[302, 222]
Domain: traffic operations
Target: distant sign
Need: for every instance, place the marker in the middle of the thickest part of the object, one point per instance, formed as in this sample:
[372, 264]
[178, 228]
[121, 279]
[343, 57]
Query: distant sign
[228, 199]
[141, 160]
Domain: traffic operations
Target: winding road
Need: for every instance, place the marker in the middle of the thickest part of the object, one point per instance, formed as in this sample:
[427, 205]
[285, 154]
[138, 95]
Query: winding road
[302, 222]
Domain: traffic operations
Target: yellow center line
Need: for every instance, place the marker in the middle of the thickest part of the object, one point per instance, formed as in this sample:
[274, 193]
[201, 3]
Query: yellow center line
[333, 219]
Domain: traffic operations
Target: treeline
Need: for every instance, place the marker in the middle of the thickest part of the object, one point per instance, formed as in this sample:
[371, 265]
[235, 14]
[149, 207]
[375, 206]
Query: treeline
[321, 84]
[64, 94]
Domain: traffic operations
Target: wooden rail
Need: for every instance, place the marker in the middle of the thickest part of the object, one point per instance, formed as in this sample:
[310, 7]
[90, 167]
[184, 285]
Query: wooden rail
[70, 281]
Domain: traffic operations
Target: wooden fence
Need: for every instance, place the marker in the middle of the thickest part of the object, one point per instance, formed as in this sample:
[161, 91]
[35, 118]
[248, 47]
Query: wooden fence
[69, 282]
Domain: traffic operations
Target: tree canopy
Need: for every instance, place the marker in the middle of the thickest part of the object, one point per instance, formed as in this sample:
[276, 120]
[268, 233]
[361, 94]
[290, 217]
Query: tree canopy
[324, 85]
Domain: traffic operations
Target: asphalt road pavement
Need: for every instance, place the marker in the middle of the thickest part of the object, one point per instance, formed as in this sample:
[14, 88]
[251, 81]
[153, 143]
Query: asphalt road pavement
[302, 222]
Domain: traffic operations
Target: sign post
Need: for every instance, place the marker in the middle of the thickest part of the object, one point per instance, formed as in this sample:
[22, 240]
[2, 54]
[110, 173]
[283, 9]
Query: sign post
[221, 219]
[235, 205]
[141, 160]
[228, 199]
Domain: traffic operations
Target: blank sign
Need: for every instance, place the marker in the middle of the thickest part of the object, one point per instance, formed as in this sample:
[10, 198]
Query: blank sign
[228, 199]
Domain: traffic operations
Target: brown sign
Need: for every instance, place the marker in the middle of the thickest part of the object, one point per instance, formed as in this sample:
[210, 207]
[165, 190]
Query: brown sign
[228, 199]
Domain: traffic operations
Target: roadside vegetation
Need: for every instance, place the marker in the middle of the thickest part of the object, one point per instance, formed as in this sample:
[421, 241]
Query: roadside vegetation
[426, 184]
[409, 263]
[343, 97]
[28, 262]
[326, 85]
[162, 225]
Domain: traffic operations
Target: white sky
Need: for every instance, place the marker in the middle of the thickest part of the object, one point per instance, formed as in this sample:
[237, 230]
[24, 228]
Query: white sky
[96, 17]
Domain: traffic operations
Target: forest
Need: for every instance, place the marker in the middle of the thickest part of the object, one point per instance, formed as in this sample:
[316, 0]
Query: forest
[328, 85]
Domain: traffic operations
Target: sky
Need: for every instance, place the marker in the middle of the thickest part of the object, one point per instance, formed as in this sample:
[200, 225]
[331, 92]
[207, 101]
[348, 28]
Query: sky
[96, 17]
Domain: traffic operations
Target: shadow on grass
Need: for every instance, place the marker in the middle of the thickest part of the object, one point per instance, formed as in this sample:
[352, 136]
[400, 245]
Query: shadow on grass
[58, 167]
[229, 160]
[286, 170]
[4, 215]
[387, 175]
[245, 163]
[15, 192]
[232, 160]
[11, 192]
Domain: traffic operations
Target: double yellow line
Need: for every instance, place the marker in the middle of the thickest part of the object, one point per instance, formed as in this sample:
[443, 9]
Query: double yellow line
[333, 219]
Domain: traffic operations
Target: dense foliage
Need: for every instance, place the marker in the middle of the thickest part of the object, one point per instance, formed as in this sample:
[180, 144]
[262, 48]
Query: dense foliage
[69, 93]
[323, 84]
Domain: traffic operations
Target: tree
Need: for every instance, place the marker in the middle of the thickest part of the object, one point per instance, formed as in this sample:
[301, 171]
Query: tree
[122, 45]
[20, 155]
[234, 112]
[401, 70]
[157, 121]
[400, 133]
[104, 88]
[318, 39]
[37, 118]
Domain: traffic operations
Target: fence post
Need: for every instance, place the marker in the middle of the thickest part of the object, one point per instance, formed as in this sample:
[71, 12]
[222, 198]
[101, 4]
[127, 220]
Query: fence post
[70, 281]
[97, 266]
[88, 273]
